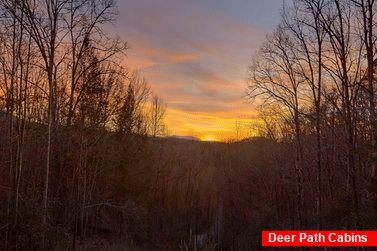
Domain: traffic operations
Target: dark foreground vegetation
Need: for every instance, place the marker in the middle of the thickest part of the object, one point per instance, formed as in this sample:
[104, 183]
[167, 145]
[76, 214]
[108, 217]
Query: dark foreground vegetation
[111, 192]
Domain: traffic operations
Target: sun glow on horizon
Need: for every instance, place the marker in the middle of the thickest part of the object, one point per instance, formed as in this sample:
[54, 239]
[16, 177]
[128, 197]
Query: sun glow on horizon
[208, 126]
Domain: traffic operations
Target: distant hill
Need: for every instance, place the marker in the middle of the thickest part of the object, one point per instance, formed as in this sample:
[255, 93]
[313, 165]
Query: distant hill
[186, 138]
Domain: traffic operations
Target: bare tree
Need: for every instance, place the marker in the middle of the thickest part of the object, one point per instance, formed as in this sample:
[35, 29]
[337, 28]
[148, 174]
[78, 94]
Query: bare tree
[238, 129]
[343, 65]
[84, 23]
[303, 22]
[10, 65]
[274, 78]
[157, 115]
[15, 61]
[365, 10]
[42, 21]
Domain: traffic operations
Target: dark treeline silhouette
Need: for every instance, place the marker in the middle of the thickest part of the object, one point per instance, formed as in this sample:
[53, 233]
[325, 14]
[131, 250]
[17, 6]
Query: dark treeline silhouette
[83, 167]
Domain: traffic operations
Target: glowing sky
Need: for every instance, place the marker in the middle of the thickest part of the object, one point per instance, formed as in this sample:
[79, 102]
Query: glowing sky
[195, 55]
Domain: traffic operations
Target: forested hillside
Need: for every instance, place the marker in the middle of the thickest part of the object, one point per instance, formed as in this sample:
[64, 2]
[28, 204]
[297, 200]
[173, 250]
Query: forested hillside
[114, 193]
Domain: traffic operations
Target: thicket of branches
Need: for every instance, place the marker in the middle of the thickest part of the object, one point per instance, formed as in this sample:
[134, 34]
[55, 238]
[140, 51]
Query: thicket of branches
[72, 117]
[316, 75]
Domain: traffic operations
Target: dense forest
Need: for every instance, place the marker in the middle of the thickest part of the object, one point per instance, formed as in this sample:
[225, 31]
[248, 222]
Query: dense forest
[86, 164]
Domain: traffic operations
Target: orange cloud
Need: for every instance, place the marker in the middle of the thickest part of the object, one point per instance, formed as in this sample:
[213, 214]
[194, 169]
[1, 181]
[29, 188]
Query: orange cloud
[137, 62]
[144, 52]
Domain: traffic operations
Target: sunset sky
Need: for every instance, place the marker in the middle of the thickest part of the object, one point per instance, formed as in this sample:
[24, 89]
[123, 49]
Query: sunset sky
[195, 55]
